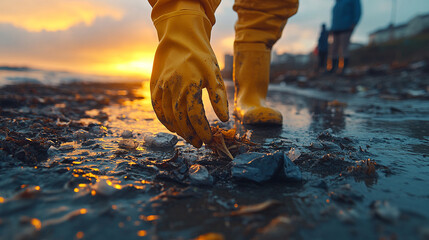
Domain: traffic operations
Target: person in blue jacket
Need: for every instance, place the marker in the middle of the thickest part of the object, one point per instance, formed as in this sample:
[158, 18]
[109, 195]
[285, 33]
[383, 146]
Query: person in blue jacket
[345, 16]
[322, 48]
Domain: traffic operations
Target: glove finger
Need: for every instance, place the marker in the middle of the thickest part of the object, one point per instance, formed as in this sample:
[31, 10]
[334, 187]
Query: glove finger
[218, 98]
[157, 107]
[197, 116]
[181, 116]
[167, 110]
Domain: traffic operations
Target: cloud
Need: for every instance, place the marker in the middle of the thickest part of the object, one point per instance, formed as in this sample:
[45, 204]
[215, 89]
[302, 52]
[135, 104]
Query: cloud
[54, 15]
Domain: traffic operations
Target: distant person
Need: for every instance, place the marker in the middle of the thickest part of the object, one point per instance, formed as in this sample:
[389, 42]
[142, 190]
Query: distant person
[345, 16]
[322, 48]
[185, 63]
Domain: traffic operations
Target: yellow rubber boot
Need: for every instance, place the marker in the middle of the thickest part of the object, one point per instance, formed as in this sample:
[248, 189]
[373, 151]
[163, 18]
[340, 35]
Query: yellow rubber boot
[251, 77]
[259, 26]
[184, 64]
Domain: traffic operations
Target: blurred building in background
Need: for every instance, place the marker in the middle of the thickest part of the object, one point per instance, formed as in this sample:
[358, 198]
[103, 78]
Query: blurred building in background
[415, 26]
[227, 69]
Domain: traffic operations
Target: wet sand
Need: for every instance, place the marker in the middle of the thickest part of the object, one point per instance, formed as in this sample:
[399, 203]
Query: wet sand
[70, 170]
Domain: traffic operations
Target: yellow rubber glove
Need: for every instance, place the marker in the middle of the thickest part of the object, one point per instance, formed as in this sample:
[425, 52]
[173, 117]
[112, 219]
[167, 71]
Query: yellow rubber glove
[185, 64]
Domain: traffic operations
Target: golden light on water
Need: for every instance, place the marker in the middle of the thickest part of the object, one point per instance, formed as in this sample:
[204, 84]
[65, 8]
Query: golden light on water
[83, 211]
[141, 233]
[36, 223]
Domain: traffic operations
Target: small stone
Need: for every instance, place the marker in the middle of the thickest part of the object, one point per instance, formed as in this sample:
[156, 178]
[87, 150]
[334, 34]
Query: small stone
[52, 150]
[161, 140]
[102, 187]
[291, 171]
[385, 211]
[128, 144]
[316, 146]
[99, 130]
[127, 134]
[331, 146]
[348, 216]
[81, 135]
[199, 175]
[68, 146]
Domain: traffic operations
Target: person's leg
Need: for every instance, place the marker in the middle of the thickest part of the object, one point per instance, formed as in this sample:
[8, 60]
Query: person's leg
[259, 26]
[335, 52]
[323, 60]
[184, 64]
[345, 43]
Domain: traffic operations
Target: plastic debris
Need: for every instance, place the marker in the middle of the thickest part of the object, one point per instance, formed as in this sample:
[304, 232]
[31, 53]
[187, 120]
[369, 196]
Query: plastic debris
[385, 211]
[128, 144]
[127, 134]
[161, 140]
[210, 236]
[260, 207]
[228, 143]
[199, 175]
[293, 154]
[259, 167]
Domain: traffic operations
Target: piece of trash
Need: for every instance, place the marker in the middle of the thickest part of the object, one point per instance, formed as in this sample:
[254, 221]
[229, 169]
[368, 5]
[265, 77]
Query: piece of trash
[128, 144]
[367, 167]
[259, 167]
[256, 208]
[227, 142]
[385, 211]
[161, 140]
[127, 134]
[199, 175]
[293, 154]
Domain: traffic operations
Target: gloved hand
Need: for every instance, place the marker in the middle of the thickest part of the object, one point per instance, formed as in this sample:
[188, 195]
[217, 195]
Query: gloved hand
[185, 64]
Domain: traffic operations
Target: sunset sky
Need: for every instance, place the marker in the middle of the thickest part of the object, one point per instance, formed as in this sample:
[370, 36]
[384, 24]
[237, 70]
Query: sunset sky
[116, 37]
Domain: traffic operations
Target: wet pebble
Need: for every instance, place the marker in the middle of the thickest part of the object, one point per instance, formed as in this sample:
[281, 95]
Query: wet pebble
[331, 146]
[385, 211]
[199, 175]
[316, 146]
[128, 144]
[101, 187]
[161, 140]
[348, 216]
[68, 146]
[127, 134]
[81, 135]
[99, 130]
[52, 150]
